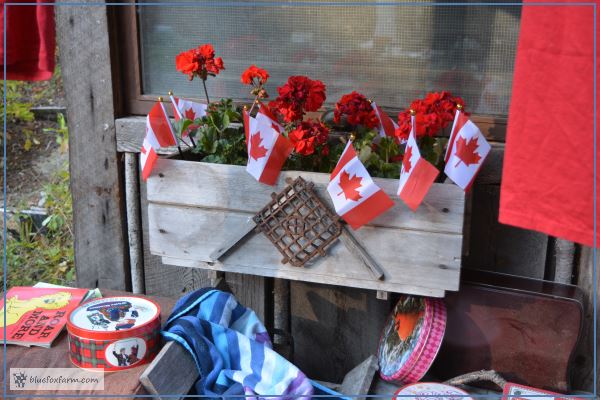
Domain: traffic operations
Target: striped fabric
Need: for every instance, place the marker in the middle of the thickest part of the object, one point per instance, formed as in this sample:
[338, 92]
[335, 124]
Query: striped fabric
[231, 348]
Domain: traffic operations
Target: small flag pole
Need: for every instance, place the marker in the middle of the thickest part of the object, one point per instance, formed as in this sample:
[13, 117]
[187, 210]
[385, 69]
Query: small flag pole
[176, 109]
[256, 101]
[459, 107]
[160, 99]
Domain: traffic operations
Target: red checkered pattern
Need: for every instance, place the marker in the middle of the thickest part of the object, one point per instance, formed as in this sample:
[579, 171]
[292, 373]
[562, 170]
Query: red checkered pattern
[89, 353]
[432, 345]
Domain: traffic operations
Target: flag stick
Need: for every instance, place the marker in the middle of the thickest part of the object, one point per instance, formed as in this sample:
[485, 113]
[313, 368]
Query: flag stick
[256, 101]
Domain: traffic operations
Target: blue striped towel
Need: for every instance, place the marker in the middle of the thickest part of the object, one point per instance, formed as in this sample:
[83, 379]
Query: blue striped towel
[231, 348]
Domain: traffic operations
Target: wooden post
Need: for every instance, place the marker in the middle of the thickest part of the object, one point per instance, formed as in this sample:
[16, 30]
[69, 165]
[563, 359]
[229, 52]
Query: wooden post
[564, 258]
[96, 185]
[281, 307]
[134, 224]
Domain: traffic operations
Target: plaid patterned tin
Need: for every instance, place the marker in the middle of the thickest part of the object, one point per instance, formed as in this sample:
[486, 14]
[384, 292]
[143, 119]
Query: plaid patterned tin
[114, 333]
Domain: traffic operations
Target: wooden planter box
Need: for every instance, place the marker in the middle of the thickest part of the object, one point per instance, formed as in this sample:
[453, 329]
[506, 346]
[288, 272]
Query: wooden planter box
[194, 207]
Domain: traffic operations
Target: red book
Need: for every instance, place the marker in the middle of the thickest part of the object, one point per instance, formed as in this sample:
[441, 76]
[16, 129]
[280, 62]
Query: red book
[36, 316]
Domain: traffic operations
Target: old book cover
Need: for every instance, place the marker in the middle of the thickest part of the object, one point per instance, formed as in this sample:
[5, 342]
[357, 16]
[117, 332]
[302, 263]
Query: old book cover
[36, 316]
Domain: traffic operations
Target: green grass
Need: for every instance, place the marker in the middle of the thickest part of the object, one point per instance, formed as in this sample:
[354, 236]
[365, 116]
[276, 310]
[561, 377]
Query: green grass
[33, 256]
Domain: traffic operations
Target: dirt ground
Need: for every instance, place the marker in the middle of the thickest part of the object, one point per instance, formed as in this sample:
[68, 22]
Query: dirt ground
[28, 170]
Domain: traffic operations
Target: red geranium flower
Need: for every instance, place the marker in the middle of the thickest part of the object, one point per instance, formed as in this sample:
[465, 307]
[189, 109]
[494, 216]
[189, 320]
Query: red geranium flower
[358, 111]
[308, 135]
[187, 63]
[253, 72]
[299, 95]
[200, 61]
[433, 113]
[256, 77]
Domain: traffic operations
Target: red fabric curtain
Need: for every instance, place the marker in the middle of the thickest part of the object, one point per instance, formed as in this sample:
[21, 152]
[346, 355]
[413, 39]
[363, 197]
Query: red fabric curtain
[30, 41]
[548, 181]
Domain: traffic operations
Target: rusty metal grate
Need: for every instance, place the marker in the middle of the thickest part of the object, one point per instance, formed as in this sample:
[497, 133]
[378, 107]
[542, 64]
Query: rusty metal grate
[298, 223]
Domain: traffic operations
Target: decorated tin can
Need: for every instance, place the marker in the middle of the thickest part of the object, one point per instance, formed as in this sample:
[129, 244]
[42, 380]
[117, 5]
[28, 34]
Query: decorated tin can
[411, 339]
[424, 390]
[114, 332]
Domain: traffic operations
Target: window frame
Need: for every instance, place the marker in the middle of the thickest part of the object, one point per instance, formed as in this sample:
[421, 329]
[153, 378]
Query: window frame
[127, 73]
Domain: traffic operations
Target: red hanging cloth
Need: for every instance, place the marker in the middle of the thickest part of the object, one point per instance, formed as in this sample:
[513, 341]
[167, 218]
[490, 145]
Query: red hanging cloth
[548, 181]
[30, 40]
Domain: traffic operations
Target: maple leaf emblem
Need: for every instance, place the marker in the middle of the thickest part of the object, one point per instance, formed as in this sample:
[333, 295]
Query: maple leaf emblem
[349, 186]
[190, 114]
[467, 152]
[257, 150]
[406, 160]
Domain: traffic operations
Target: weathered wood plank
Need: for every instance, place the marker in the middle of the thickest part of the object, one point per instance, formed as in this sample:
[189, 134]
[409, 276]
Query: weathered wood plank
[171, 373]
[563, 255]
[335, 328]
[236, 239]
[491, 170]
[308, 277]
[360, 253]
[254, 292]
[423, 259]
[232, 188]
[130, 135]
[497, 247]
[98, 209]
[167, 280]
[360, 378]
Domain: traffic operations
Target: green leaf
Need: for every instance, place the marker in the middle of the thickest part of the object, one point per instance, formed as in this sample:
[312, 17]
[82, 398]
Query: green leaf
[364, 153]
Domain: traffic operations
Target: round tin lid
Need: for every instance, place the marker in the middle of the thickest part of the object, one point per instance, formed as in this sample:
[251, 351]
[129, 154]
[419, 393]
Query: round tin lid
[111, 315]
[429, 389]
[405, 336]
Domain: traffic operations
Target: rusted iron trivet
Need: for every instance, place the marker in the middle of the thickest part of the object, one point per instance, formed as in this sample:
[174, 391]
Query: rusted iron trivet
[298, 223]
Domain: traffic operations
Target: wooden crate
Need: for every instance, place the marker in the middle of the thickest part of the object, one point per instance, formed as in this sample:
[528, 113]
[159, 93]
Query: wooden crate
[194, 207]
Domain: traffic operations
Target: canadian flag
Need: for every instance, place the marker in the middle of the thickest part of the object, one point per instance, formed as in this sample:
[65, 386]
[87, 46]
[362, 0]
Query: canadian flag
[187, 109]
[148, 158]
[416, 174]
[356, 198]
[387, 126]
[267, 148]
[159, 133]
[467, 148]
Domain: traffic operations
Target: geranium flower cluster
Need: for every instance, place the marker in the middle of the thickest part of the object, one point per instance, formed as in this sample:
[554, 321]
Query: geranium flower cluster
[309, 136]
[433, 113]
[257, 77]
[357, 109]
[297, 96]
[200, 61]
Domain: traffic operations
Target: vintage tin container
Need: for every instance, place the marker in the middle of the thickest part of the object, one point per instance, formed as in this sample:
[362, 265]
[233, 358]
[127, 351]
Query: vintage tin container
[114, 333]
[439, 391]
[411, 339]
